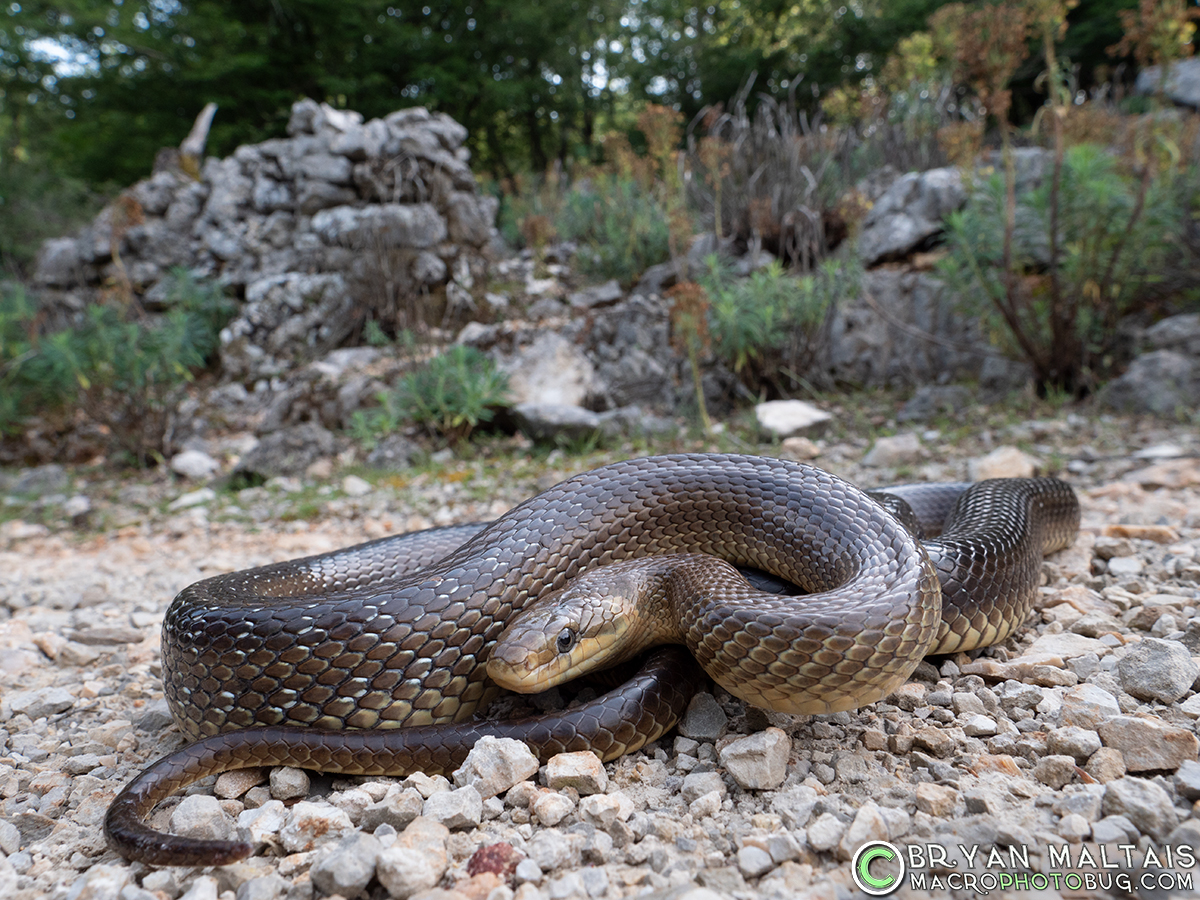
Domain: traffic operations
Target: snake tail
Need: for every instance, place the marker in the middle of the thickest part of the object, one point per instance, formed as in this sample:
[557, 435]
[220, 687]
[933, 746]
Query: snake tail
[625, 719]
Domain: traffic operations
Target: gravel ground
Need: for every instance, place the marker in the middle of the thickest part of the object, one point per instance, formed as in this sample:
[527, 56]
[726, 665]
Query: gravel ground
[1076, 736]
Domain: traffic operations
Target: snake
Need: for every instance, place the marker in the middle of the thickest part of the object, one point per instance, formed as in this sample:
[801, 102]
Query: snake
[374, 659]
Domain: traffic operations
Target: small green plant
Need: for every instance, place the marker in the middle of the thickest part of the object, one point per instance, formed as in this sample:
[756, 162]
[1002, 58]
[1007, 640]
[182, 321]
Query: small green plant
[768, 327]
[450, 395]
[621, 228]
[119, 368]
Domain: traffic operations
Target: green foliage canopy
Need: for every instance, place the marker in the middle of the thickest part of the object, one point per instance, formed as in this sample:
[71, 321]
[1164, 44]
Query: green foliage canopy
[96, 87]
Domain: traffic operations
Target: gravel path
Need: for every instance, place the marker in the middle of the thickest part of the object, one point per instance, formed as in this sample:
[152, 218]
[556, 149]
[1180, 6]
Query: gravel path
[1078, 734]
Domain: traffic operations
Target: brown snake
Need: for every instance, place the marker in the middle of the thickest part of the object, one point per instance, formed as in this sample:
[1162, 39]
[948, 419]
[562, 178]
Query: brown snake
[372, 637]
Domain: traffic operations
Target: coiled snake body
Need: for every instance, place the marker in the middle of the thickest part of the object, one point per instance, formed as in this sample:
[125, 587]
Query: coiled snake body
[378, 637]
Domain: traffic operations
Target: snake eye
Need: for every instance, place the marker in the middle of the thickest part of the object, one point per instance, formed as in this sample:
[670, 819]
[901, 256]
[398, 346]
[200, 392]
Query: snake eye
[566, 640]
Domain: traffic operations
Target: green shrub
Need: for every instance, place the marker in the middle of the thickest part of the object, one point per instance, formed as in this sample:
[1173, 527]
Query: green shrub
[768, 327]
[620, 227]
[120, 369]
[1118, 240]
[450, 395]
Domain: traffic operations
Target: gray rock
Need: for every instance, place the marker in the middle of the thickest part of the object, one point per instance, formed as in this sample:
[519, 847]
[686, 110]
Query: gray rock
[1182, 85]
[556, 422]
[753, 862]
[41, 480]
[697, 784]
[1143, 803]
[311, 824]
[40, 702]
[287, 452]
[552, 850]
[99, 883]
[909, 213]
[462, 808]
[404, 871]
[787, 418]
[314, 196]
[1112, 829]
[597, 295]
[1055, 771]
[348, 867]
[288, 783]
[264, 887]
[194, 464]
[1078, 743]
[396, 810]
[415, 225]
[200, 816]
[1159, 670]
[496, 764]
[528, 872]
[58, 263]
[1149, 744]
[704, 719]
[1086, 706]
[932, 400]
[758, 762]
[393, 452]
[550, 370]
[1162, 382]
[894, 450]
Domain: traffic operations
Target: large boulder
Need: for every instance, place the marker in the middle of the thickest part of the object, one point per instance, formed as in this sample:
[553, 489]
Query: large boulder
[909, 213]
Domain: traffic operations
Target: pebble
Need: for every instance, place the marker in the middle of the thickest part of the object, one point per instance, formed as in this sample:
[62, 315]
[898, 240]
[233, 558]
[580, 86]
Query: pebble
[825, 832]
[552, 850]
[938, 800]
[1142, 802]
[1158, 670]
[194, 464]
[396, 809]
[527, 872]
[758, 762]
[288, 783]
[704, 719]
[404, 871]
[41, 702]
[1107, 764]
[192, 499]
[312, 823]
[891, 451]
[1003, 462]
[1149, 744]
[582, 771]
[201, 816]
[347, 867]
[262, 823]
[496, 764]
[551, 807]
[1187, 782]
[1086, 706]
[605, 810]
[1074, 828]
[1078, 743]
[353, 486]
[1055, 771]
[754, 862]
[231, 785]
[457, 809]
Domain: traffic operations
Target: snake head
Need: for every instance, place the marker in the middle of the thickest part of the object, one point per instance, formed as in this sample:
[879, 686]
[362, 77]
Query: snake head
[592, 623]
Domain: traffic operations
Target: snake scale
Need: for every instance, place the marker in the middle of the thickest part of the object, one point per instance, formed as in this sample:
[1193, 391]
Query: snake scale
[287, 664]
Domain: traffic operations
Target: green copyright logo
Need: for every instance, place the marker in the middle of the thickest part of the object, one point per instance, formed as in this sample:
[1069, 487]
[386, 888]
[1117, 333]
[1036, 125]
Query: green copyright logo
[878, 868]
